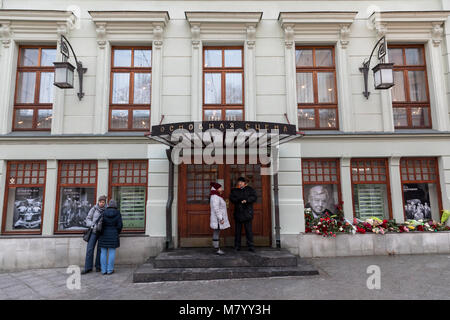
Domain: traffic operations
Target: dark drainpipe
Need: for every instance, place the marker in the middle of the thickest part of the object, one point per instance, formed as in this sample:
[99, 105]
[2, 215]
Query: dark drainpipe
[169, 242]
[277, 210]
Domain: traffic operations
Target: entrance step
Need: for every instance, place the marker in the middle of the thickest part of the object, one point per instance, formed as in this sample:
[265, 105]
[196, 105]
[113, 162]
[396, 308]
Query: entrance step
[203, 264]
[206, 258]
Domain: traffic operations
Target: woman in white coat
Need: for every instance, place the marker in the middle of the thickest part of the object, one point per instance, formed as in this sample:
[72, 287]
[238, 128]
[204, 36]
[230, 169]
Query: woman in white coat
[219, 217]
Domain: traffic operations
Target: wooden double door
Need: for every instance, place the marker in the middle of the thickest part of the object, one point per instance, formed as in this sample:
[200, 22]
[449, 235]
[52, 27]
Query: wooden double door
[193, 203]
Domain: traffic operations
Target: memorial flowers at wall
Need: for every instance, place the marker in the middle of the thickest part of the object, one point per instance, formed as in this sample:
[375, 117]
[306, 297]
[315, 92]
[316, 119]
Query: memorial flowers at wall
[330, 225]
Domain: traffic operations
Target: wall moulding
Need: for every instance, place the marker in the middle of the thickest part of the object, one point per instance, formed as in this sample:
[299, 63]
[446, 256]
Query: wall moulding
[130, 26]
[30, 25]
[316, 26]
[227, 26]
[410, 26]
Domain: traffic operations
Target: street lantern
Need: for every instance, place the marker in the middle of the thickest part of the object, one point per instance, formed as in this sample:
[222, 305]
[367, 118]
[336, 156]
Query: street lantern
[382, 73]
[64, 71]
[64, 75]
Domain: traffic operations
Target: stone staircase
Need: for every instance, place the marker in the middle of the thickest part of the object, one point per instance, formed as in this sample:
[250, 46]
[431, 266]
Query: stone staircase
[203, 264]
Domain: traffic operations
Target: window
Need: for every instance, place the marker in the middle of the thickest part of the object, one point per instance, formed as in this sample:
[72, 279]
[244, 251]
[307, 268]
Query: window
[223, 83]
[316, 88]
[128, 186]
[131, 74]
[34, 88]
[321, 185]
[77, 188]
[24, 197]
[421, 192]
[410, 98]
[199, 177]
[370, 185]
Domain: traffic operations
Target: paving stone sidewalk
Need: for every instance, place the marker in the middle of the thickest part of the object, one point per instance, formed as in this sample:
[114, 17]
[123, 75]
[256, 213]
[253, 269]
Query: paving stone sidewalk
[402, 277]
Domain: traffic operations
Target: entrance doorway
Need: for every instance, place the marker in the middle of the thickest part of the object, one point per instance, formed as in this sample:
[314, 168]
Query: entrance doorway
[193, 203]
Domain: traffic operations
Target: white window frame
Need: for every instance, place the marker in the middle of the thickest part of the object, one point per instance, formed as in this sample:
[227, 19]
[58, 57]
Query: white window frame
[319, 28]
[418, 27]
[20, 27]
[116, 28]
[223, 28]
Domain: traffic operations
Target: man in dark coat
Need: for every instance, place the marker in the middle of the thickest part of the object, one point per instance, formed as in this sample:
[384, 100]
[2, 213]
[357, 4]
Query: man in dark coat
[109, 237]
[243, 198]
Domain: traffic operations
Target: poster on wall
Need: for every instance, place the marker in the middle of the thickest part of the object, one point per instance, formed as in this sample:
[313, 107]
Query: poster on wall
[74, 207]
[28, 208]
[321, 198]
[417, 201]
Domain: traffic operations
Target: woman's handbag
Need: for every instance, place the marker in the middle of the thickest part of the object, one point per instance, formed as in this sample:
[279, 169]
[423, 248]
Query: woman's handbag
[88, 232]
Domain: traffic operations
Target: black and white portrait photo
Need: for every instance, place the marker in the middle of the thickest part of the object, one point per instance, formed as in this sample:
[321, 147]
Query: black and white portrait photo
[322, 199]
[74, 207]
[28, 208]
[417, 201]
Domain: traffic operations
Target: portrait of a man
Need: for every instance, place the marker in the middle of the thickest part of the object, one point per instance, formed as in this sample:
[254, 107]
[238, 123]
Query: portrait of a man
[319, 198]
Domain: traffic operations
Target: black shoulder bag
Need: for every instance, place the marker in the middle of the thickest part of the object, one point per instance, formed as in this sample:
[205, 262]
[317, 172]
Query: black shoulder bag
[88, 232]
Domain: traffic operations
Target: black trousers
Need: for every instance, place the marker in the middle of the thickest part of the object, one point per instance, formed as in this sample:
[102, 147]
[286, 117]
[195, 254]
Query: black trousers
[248, 233]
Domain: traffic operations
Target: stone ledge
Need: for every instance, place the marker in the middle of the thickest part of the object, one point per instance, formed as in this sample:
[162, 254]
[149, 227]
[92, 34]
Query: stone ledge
[312, 245]
[19, 253]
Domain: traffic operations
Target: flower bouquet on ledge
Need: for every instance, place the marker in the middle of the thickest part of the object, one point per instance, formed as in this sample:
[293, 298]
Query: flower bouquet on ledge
[328, 225]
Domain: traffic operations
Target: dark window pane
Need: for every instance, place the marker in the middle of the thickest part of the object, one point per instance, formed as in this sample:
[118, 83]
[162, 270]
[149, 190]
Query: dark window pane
[213, 93]
[122, 58]
[46, 87]
[26, 87]
[24, 118]
[327, 118]
[305, 90]
[398, 91]
[233, 58]
[414, 56]
[48, 56]
[213, 58]
[420, 117]
[143, 58]
[44, 119]
[119, 119]
[303, 58]
[234, 115]
[213, 115]
[142, 88]
[29, 57]
[324, 57]
[121, 88]
[325, 84]
[306, 118]
[141, 119]
[233, 88]
[417, 85]
[396, 56]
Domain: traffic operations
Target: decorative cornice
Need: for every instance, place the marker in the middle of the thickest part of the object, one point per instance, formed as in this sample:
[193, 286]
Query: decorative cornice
[6, 33]
[195, 31]
[344, 34]
[34, 24]
[130, 25]
[437, 32]
[251, 36]
[398, 25]
[288, 36]
[219, 25]
[242, 18]
[317, 26]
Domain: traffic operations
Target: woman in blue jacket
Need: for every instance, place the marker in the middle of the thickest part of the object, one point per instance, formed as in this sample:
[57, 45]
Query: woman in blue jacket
[109, 238]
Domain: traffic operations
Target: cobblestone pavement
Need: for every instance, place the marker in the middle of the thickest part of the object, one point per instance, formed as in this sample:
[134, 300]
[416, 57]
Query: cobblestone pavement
[402, 277]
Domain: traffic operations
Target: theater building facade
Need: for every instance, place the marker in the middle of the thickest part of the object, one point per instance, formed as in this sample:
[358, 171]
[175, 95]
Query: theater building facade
[159, 65]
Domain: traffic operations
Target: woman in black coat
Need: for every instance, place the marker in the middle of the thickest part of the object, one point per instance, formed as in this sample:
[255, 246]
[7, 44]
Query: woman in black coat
[109, 238]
